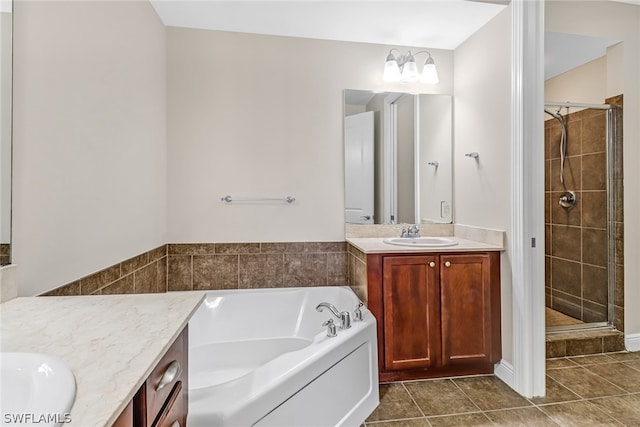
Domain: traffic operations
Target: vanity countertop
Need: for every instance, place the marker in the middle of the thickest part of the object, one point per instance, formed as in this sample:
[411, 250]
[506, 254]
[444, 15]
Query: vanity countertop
[110, 342]
[372, 245]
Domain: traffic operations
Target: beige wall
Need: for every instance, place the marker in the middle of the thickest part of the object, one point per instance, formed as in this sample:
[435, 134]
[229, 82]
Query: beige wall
[5, 127]
[89, 133]
[584, 84]
[482, 112]
[621, 22]
[262, 116]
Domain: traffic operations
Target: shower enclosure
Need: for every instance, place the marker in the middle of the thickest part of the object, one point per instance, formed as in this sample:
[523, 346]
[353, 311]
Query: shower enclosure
[583, 215]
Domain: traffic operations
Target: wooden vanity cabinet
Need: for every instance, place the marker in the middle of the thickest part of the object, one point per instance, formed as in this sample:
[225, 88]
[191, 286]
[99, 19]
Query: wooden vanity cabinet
[162, 401]
[438, 314]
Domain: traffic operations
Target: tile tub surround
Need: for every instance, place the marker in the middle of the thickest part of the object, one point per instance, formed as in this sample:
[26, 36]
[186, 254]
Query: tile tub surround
[5, 253]
[213, 266]
[576, 239]
[580, 391]
[144, 273]
[110, 342]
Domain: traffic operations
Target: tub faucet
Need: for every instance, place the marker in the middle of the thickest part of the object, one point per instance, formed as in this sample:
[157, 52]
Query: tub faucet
[345, 317]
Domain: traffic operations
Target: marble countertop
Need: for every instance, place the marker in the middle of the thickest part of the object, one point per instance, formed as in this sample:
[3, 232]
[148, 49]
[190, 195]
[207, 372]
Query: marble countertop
[110, 342]
[371, 245]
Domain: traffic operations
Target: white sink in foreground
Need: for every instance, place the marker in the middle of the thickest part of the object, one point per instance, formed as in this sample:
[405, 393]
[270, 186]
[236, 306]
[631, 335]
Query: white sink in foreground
[37, 387]
[428, 242]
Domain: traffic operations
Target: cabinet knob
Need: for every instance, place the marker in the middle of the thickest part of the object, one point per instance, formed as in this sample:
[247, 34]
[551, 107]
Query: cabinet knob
[170, 374]
[175, 424]
[432, 264]
[447, 264]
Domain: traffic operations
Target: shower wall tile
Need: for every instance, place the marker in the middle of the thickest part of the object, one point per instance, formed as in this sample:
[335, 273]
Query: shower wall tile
[572, 174]
[592, 312]
[594, 247]
[594, 133]
[566, 276]
[619, 248]
[565, 242]
[566, 303]
[594, 172]
[594, 213]
[595, 283]
[579, 236]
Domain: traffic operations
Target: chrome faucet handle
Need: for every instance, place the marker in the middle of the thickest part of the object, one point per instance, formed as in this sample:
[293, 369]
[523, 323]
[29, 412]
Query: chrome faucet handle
[345, 320]
[357, 314]
[331, 328]
[414, 231]
[404, 232]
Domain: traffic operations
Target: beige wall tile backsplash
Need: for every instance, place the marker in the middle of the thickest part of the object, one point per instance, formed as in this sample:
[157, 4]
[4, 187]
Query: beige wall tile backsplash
[209, 266]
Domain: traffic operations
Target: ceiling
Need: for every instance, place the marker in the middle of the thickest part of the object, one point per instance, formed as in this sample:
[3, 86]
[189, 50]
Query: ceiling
[437, 24]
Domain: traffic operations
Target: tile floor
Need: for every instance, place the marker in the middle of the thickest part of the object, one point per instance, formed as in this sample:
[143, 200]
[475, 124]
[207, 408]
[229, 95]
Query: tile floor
[594, 390]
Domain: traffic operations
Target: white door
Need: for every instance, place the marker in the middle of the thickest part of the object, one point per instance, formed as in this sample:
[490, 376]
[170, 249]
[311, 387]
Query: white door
[358, 149]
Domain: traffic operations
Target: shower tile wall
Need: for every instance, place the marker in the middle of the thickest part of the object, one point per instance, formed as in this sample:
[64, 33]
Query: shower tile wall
[576, 239]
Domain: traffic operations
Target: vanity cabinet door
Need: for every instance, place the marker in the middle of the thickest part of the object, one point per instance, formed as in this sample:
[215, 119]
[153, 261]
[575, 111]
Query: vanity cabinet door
[470, 304]
[411, 312]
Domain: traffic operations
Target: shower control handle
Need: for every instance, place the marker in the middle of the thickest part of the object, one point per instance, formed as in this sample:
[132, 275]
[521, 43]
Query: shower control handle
[567, 199]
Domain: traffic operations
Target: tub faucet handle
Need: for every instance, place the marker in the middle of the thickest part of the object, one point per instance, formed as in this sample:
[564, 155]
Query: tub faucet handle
[357, 314]
[331, 328]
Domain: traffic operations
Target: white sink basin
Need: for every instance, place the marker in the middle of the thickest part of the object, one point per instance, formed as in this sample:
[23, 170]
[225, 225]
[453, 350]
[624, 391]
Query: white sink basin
[427, 242]
[37, 387]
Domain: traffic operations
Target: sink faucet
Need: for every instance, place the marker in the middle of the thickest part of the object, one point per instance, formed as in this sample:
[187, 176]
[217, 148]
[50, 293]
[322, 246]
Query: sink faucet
[413, 231]
[345, 317]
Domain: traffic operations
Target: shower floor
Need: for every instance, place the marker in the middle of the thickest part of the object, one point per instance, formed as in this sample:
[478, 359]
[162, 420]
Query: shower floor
[555, 318]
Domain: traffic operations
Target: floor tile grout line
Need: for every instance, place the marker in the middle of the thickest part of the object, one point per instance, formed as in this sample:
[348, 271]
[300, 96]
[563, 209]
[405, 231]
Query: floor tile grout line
[465, 394]
[412, 399]
[608, 415]
[592, 373]
[373, 423]
[610, 382]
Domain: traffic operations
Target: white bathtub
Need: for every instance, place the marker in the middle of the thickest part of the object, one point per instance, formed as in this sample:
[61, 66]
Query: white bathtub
[263, 358]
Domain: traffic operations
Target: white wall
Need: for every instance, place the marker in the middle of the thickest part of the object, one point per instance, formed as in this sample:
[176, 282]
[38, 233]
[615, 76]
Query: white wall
[262, 116]
[617, 21]
[89, 138]
[482, 123]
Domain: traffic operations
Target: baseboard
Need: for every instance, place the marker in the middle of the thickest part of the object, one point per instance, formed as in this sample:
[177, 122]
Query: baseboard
[504, 371]
[632, 342]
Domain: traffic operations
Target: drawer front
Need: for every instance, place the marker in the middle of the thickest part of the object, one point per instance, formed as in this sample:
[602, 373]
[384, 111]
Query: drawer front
[171, 370]
[174, 413]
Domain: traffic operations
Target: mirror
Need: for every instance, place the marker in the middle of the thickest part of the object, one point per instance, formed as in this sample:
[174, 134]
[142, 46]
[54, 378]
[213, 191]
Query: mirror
[6, 66]
[398, 158]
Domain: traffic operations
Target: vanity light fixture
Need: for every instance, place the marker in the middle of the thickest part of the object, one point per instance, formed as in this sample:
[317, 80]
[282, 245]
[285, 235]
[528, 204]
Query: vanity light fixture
[403, 68]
